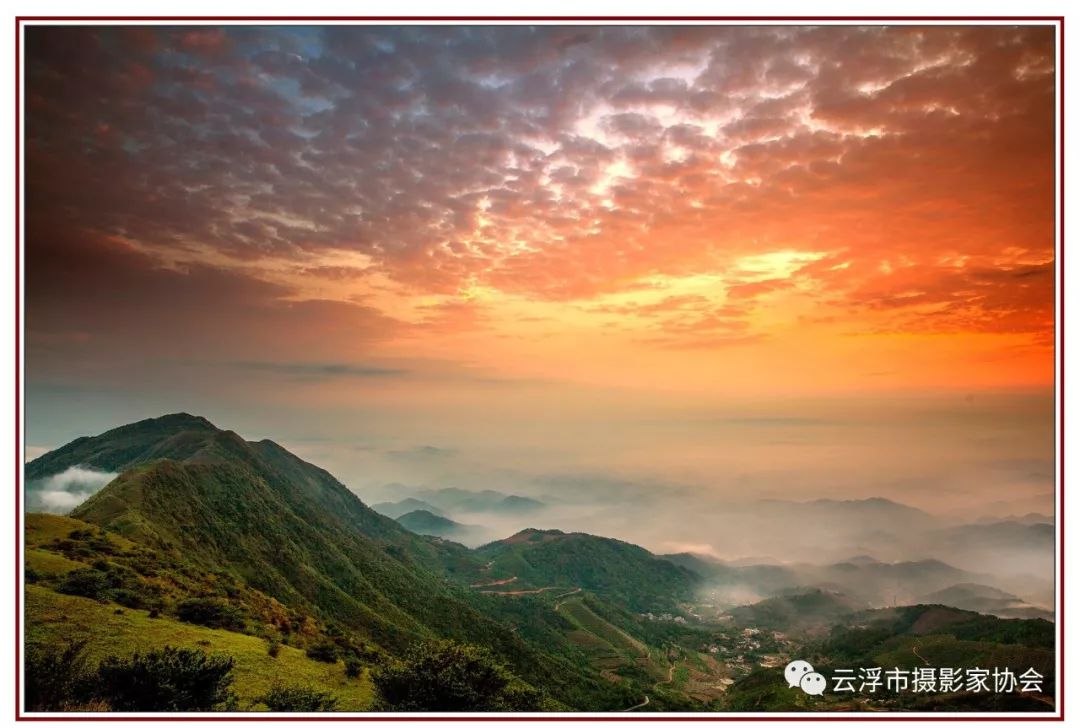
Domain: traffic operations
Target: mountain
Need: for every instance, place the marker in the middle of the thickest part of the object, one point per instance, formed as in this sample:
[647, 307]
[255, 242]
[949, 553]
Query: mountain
[972, 597]
[864, 579]
[283, 526]
[451, 501]
[1027, 519]
[811, 610]
[867, 513]
[888, 584]
[429, 524]
[252, 535]
[517, 504]
[906, 638]
[1022, 554]
[624, 573]
[985, 600]
[406, 505]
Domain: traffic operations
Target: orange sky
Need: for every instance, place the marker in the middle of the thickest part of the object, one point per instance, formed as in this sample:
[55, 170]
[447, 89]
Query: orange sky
[416, 216]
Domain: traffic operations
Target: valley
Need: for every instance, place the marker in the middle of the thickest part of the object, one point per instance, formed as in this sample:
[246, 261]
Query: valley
[236, 549]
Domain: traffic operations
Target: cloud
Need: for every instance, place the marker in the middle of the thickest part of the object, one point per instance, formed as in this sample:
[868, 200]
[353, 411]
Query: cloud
[318, 371]
[350, 194]
[64, 491]
[456, 154]
[422, 454]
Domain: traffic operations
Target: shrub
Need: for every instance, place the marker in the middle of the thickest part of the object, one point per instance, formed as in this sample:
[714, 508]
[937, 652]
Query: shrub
[296, 699]
[128, 598]
[447, 676]
[273, 648]
[353, 666]
[210, 612]
[171, 679]
[57, 678]
[323, 652]
[88, 583]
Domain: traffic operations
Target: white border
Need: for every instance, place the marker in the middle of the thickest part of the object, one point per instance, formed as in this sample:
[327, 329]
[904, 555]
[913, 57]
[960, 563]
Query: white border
[557, 8]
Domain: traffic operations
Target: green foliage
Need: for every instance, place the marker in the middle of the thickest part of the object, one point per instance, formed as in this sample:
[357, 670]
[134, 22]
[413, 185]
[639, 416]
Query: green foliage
[297, 699]
[201, 512]
[108, 582]
[353, 666]
[813, 608]
[766, 691]
[323, 652]
[55, 620]
[57, 677]
[273, 647]
[210, 612]
[89, 583]
[171, 679]
[622, 572]
[448, 676]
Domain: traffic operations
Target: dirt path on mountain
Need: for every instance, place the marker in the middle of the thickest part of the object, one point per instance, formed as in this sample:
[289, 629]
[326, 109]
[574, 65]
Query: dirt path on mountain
[497, 582]
[670, 679]
[563, 597]
[520, 592]
[915, 651]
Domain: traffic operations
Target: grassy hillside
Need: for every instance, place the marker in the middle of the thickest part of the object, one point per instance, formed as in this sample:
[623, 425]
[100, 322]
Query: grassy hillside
[809, 610]
[271, 546]
[622, 572]
[111, 631]
[278, 525]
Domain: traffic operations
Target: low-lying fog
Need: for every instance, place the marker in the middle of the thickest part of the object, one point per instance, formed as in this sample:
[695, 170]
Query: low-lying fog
[961, 479]
[967, 482]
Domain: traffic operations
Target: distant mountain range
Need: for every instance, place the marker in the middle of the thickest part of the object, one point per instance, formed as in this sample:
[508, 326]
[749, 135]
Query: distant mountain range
[427, 523]
[862, 578]
[452, 501]
[255, 544]
[406, 505]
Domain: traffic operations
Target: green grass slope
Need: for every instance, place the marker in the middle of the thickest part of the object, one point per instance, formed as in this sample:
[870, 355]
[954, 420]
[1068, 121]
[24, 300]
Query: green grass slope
[58, 618]
[624, 573]
[281, 544]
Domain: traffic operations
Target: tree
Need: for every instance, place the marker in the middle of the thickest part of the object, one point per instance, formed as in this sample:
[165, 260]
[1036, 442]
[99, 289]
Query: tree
[171, 679]
[448, 676]
[296, 699]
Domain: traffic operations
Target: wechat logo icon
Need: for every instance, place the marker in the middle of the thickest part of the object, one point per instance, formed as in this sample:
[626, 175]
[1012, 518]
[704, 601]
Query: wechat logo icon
[800, 674]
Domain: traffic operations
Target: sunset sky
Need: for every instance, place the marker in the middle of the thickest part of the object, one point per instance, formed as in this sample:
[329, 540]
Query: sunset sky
[588, 243]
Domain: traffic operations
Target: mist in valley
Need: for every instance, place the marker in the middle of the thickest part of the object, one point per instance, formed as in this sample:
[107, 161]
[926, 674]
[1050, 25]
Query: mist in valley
[888, 500]
[890, 506]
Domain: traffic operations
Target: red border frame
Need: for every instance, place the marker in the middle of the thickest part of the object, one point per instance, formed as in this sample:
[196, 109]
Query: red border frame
[1059, 342]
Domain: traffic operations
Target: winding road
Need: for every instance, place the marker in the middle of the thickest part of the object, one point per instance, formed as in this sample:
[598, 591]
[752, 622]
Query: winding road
[563, 597]
[643, 703]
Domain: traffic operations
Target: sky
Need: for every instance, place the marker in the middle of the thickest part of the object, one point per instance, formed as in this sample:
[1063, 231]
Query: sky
[806, 261]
